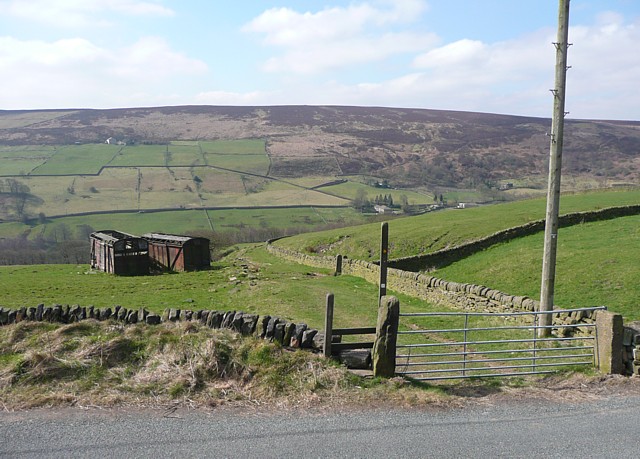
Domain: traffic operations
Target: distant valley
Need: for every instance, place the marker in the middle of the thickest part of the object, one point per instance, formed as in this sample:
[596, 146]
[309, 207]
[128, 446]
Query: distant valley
[258, 172]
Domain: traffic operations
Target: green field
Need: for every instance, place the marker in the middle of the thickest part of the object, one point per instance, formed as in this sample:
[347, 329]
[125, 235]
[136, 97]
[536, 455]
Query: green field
[184, 155]
[78, 160]
[438, 230]
[597, 264]
[271, 286]
[180, 174]
[22, 160]
[171, 155]
[141, 155]
[311, 181]
[254, 164]
[234, 147]
[349, 190]
[185, 221]
[112, 189]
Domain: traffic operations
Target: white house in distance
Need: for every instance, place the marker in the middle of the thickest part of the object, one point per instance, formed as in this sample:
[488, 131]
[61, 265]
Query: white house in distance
[381, 209]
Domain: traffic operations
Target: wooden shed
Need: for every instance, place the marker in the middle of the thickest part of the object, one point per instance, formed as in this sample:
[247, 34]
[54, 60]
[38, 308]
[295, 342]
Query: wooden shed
[170, 252]
[119, 253]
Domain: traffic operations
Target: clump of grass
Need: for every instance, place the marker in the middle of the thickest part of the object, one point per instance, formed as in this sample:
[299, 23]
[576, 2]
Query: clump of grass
[108, 363]
[102, 362]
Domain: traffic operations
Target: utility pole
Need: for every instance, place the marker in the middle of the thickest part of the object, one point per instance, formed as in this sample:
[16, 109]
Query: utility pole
[555, 165]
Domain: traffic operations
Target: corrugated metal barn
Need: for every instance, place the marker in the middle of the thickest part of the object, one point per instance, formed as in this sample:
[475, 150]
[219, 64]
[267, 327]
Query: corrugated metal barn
[119, 253]
[178, 253]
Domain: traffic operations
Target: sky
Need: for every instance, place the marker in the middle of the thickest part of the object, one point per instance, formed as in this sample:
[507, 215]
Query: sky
[493, 56]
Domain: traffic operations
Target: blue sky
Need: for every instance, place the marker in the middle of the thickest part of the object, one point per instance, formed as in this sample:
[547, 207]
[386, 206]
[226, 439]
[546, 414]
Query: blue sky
[491, 55]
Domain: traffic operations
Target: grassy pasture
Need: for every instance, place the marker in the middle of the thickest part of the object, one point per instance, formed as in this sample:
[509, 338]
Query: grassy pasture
[19, 166]
[224, 220]
[348, 190]
[136, 223]
[163, 188]
[255, 164]
[114, 189]
[279, 288]
[184, 155]
[248, 280]
[311, 181]
[597, 264]
[462, 196]
[141, 155]
[218, 183]
[12, 229]
[437, 230]
[234, 147]
[22, 160]
[78, 159]
[184, 221]
[274, 193]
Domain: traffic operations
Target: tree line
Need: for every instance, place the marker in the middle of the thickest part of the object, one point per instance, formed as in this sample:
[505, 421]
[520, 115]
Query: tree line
[64, 244]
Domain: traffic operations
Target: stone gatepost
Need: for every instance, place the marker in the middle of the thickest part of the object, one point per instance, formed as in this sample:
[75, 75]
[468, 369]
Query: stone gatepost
[383, 355]
[610, 331]
[338, 270]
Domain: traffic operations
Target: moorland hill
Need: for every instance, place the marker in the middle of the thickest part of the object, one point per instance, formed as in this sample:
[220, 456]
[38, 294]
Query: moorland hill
[411, 147]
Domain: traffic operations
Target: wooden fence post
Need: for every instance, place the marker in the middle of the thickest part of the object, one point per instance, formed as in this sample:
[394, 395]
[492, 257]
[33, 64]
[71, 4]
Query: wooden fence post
[328, 326]
[384, 348]
[384, 256]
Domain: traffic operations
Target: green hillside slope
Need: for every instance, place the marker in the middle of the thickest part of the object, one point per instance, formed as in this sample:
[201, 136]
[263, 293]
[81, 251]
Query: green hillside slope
[597, 265]
[438, 230]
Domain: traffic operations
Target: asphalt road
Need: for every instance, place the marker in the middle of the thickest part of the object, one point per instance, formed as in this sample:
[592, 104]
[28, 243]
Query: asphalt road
[602, 429]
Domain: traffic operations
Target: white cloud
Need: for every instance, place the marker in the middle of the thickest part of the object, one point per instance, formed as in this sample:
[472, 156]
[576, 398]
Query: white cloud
[151, 58]
[512, 76]
[318, 57]
[605, 68]
[470, 62]
[79, 13]
[76, 72]
[236, 98]
[286, 27]
[337, 37]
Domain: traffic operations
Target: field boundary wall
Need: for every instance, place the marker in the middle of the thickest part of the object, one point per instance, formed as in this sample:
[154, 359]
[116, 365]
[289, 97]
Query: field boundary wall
[403, 278]
[445, 257]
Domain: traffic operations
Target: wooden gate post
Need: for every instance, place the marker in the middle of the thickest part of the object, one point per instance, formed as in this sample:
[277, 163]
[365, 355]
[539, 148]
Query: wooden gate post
[383, 355]
[384, 256]
[328, 326]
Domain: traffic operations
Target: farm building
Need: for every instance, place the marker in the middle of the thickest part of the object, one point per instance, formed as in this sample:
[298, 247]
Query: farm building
[177, 253]
[119, 253]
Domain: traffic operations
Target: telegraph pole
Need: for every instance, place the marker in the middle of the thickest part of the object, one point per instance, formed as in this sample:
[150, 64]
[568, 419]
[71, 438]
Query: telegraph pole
[555, 165]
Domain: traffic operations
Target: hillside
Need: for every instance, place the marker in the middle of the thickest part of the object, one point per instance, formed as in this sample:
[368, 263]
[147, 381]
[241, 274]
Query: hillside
[253, 173]
[409, 147]
[440, 230]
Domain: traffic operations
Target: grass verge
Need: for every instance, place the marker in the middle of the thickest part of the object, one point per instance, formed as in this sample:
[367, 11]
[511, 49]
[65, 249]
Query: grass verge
[105, 364]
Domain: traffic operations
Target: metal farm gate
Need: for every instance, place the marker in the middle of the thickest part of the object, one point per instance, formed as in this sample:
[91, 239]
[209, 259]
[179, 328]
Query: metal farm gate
[452, 345]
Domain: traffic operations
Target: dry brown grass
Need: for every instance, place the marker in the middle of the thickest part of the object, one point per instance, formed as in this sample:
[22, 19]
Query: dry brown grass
[104, 364]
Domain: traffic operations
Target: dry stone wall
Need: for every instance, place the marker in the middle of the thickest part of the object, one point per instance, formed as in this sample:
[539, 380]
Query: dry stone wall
[445, 257]
[468, 297]
[296, 335]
